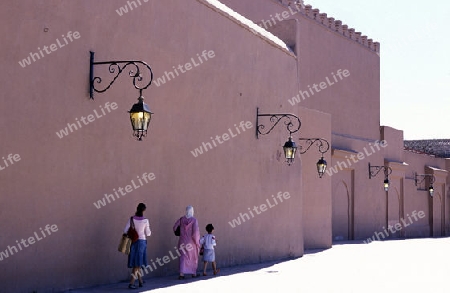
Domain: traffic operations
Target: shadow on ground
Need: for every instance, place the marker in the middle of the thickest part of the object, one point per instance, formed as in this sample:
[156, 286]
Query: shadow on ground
[169, 281]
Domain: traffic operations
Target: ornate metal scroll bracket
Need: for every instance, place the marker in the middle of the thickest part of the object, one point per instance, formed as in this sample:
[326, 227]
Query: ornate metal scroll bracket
[374, 170]
[305, 144]
[136, 70]
[291, 122]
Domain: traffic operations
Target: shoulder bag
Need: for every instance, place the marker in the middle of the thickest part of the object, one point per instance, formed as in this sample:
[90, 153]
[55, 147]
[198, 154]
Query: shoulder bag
[132, 233]
[125, 244]
[178, 230]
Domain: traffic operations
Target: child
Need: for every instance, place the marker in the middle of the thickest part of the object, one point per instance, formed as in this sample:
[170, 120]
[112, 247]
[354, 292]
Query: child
[208, 242]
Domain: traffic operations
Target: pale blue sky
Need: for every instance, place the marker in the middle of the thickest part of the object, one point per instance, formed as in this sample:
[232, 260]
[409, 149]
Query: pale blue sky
[415, 62]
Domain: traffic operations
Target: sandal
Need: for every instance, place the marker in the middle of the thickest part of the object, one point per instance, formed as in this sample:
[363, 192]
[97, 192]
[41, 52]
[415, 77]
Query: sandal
[205, 274]
[130, 286]
[180, 277]
[216, 271]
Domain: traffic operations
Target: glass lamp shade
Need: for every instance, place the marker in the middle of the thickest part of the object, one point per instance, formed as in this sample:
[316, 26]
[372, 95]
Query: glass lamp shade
[321, 167]
[386, 184]
[140, 116]
[289, 151]
[431, 190]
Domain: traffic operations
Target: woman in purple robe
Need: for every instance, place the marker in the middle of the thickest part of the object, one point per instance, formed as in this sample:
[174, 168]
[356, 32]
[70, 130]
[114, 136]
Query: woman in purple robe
[188, 243]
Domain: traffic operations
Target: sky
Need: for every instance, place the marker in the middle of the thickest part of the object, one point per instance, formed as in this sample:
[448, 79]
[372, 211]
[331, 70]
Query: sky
[414, 39]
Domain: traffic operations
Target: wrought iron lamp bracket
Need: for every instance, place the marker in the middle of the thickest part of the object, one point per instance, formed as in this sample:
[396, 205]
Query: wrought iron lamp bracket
[116, 68]
[419, 178]
[322, 144]
[374, 170]
[290, 120]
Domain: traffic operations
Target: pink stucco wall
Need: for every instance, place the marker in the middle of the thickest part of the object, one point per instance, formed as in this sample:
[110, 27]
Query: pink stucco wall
[57, 180]
[417, 197]
[360, 206]
[351, 99]
[323, 49]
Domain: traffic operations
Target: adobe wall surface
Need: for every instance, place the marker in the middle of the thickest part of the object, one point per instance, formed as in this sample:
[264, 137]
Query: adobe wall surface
[360, 206]
[418, 198]
[316, 206]
[326, 47]
[363, 210]
[338, 73]
[359, 202]
[58, 180]
[348, 75]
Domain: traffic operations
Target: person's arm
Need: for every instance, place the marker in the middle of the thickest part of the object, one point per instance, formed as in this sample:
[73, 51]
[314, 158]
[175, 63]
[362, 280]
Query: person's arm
[196, 234]
[213, 240]
[127, 226]
[148, 232]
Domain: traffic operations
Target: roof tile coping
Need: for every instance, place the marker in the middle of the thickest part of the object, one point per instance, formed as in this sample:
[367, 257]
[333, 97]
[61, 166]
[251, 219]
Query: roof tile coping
[331, 23]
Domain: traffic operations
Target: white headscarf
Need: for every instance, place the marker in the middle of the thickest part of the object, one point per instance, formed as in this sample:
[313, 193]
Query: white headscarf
[189, 212]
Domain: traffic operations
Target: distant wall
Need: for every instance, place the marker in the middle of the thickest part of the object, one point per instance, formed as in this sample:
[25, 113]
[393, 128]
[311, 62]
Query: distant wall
[338, 73]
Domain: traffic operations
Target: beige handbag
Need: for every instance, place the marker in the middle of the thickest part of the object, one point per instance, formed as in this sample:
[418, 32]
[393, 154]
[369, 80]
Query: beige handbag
[125, 244]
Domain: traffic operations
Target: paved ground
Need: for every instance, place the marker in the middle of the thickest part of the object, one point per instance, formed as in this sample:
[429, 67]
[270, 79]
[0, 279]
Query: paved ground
[416, 265]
